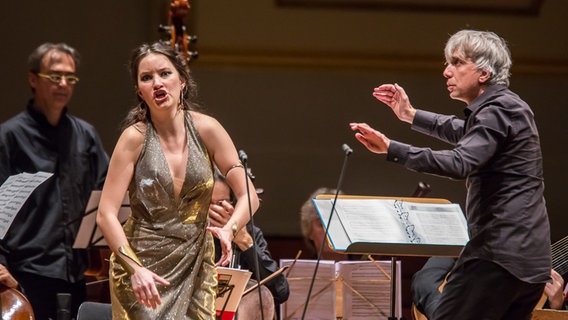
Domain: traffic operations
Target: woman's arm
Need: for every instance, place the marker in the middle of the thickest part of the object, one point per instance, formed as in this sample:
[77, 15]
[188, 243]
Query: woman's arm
[224, 155]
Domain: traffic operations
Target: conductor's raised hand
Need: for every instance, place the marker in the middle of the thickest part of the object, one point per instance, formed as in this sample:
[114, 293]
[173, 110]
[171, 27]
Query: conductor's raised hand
[372, 139]
[395, 97]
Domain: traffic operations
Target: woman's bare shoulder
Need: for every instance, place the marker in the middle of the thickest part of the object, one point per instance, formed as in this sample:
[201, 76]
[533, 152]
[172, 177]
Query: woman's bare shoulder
[204, 123]
[134, 134]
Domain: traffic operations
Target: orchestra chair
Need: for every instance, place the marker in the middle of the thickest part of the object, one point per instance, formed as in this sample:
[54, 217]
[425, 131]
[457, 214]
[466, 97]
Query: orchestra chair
[549, 314]
[538, 314]
[89, 310]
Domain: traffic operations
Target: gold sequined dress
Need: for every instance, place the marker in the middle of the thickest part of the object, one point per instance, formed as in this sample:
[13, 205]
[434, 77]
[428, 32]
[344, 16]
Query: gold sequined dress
[168, 235]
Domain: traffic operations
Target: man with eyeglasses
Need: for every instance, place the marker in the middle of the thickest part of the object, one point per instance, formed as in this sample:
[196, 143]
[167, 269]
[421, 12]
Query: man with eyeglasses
[37, 250]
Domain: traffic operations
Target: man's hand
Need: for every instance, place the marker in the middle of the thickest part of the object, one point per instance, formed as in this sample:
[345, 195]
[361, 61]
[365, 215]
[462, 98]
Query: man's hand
[372, 139]
[395, 97]
[219, 214]
[555, 291]
[6, 277]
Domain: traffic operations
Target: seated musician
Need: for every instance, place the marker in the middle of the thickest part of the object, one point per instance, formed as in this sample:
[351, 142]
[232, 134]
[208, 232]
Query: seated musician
[425, 287]
[220, 210]
[313, 231]
[312, 228]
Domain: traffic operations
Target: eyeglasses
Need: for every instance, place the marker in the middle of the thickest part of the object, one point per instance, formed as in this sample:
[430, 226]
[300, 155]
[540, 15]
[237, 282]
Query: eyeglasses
[57, 77]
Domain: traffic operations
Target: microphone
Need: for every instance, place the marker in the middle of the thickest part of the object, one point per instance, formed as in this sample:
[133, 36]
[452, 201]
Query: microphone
[244, 158]
[63, 306]
[234, 264]
[422, 189]
[347, 150]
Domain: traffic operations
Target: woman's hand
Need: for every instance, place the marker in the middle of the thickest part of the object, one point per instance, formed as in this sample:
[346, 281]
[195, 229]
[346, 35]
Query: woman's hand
[144, 287]
[225, 236]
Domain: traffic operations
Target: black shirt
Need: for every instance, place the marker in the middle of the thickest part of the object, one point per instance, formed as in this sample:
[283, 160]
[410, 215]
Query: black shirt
[40, 239]
[497, 151]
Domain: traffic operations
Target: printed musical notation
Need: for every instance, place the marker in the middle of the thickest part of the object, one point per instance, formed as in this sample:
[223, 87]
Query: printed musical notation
[13, 194]
[394, 226]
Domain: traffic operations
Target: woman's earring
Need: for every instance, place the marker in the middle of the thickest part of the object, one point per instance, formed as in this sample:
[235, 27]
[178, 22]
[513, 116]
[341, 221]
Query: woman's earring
[141, 111]
[180, 105]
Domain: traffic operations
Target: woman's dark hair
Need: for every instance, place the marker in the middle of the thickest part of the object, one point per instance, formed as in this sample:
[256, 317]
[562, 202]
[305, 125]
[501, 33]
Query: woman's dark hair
[189, 93]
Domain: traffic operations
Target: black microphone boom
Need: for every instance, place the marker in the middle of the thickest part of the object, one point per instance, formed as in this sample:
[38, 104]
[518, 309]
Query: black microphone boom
[244, 158]
[348, 152]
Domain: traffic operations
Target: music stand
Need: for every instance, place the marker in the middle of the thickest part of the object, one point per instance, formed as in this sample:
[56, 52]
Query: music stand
[231, 285]
[363, 225]
[89, 234]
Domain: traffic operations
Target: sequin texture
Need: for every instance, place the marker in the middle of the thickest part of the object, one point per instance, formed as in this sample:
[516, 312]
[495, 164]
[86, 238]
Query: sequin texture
[168, 234]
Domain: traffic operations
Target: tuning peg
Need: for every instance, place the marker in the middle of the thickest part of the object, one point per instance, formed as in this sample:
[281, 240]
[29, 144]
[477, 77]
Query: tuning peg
[165, 29]
[192, 55]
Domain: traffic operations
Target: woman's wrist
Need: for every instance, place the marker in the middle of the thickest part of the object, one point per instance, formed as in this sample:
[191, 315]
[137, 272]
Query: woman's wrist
[126, 251]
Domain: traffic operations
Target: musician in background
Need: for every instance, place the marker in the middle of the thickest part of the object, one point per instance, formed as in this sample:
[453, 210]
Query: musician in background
[313, 231]
[38, 248]
[426, 282]
[220, 210]
[556, 292]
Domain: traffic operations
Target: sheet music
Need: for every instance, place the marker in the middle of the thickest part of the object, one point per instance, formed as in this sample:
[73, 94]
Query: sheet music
[357, 290]
[230, 288]
[13, 194]
[437, 224]
[321, 305]
[367, 289]
[392, 221]
[370, 220]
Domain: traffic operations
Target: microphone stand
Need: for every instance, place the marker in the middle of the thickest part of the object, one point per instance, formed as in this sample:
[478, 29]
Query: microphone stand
[244, 159]
[348, 152]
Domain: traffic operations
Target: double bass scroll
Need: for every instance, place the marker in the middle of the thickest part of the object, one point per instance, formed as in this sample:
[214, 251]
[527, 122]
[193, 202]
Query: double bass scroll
[180, 40]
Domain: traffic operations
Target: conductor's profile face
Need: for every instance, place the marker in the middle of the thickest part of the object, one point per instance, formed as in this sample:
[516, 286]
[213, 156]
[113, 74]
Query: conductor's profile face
[465, 80]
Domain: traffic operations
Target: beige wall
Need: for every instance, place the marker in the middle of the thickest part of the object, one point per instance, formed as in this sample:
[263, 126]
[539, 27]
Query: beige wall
[285, 82]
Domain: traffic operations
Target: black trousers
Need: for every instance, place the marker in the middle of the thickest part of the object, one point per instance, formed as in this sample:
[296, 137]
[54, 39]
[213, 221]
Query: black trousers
[42, 294]
[426, 281]
[483, 290]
